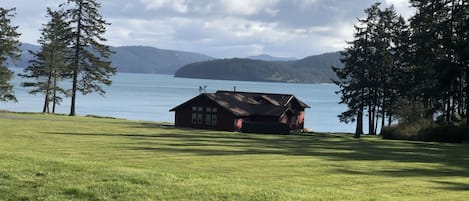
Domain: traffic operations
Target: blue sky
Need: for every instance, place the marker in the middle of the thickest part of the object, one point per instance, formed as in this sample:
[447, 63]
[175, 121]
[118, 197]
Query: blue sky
[219, 28]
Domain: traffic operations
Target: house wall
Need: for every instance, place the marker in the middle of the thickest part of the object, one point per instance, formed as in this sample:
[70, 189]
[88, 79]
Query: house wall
[238, 124]
[297, 121]
[226, 121]
[263, 119]
[183, 116]
[294, 121]
[285, 118]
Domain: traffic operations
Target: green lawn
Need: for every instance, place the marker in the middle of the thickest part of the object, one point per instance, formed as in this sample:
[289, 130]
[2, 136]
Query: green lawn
[47, 157]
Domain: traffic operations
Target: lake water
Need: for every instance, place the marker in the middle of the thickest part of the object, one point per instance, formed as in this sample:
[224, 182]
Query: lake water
[151, 96]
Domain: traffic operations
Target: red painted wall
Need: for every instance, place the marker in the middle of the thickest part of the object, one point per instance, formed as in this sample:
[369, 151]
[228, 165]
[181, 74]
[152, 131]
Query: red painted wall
[183, 116]
[238, 124]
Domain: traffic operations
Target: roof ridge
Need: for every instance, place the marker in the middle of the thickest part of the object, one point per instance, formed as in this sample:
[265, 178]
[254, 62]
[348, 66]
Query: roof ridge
[246, 92]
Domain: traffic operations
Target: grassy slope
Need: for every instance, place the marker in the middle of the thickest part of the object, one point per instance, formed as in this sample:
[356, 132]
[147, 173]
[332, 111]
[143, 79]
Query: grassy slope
[44, 157]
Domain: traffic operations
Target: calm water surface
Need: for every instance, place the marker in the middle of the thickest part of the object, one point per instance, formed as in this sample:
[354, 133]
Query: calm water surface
[151, 96]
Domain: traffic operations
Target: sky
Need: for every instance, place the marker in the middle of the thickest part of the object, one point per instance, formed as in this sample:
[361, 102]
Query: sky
[219, 28]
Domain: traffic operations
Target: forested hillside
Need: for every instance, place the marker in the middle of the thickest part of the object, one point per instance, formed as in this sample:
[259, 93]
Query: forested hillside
[142, 59]
[313, 69]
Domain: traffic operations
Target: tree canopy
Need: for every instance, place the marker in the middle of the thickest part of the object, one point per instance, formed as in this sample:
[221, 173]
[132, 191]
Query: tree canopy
[50, 64]
[392, 64]
[90, 66]
[9, 49]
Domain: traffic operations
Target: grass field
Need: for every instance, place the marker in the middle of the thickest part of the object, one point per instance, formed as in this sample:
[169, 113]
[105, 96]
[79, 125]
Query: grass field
[47, 157]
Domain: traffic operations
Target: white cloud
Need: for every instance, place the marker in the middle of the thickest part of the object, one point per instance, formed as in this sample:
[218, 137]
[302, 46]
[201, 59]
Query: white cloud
[271, 12]
[396, 2]
[180, 6]
[247, 7]
[304, 4]
[221, 28]
[239, 29]
[229, 37]
[225, 7]
[402, 6]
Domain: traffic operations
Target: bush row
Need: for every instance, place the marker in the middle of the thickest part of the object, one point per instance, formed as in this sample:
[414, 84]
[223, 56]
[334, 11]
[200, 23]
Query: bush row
[427, 131]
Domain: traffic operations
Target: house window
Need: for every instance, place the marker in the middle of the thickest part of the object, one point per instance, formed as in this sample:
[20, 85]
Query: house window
[197, 115]
[214, 116]
[214, 119]
[200, 116]
[211, 116]
[194, 115]
[208, 116]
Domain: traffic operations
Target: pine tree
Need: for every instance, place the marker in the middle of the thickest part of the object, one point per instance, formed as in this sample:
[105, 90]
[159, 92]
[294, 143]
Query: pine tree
[354, 79]
[90, 66]
[374, 65]
[402, 77]
[349, 83]
[440, 40]
[461, 50]
[464, 52]
[49, 65]
[393, 57]
[9, 49]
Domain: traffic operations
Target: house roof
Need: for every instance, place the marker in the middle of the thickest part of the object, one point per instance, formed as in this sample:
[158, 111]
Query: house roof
[249, 103]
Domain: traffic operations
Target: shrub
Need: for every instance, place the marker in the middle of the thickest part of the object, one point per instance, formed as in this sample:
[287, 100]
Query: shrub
[407, 131]
[453, 134]
[426, 131]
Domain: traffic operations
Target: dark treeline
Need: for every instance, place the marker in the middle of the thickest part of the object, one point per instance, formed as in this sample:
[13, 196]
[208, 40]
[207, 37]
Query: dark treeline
[71, 49]
[407, 69]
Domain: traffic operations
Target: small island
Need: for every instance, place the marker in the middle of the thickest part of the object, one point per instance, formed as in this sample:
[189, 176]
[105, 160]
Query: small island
[313, 69]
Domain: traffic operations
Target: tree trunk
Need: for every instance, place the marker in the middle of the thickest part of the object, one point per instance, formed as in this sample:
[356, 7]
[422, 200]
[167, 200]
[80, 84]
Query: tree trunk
[383, 113]
[74, 91]
[448, 109]
[359, 128]
[461, 94]
[371, 124]
[467, 96]
[76, 61]
[376, 112]
[54, 100]
[45, 109]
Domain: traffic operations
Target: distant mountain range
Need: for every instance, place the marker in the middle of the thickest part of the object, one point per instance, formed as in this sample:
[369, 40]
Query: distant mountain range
[143, 59]
[313, 69]
[137, 59]
[266, 57]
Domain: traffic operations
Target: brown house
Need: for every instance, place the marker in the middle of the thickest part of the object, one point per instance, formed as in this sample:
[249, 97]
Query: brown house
[242, 111]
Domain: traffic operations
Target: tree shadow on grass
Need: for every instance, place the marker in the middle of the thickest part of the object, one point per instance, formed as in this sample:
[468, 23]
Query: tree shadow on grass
[454, 157]
[455, 186]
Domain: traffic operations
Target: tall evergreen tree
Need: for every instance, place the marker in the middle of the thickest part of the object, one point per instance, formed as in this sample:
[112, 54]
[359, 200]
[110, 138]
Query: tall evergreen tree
[402, 77]
[352, 79]
[393, 58]
[9, 49]
[349, 83]
[49, 65]
[375, 63]
[461, 49]
[357, 80]
[90, 61]
[440, 40]
[464, 52]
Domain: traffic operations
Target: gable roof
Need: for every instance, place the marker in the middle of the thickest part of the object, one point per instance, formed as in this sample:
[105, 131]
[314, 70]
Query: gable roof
[243, 104]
